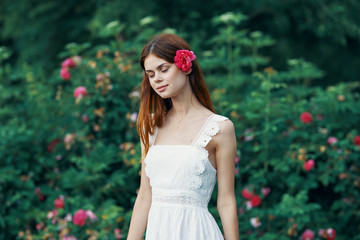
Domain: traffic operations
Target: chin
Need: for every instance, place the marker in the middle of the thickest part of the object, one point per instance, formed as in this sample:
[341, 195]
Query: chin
[164, 95]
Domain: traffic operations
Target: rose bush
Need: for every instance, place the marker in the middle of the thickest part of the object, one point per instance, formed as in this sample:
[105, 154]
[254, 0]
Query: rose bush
[59, 156]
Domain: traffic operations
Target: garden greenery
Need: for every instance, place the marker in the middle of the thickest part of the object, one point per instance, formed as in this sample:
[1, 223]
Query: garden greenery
[69, 150]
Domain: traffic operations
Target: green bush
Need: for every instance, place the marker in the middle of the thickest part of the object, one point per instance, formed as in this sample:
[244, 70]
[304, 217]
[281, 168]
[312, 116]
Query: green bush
[83, 152]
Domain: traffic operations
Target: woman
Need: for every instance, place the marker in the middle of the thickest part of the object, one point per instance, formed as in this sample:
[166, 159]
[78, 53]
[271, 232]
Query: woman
[185, 147]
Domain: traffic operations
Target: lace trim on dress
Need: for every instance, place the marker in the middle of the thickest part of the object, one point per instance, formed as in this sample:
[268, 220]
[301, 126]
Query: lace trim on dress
[210, 129]
[177, 198]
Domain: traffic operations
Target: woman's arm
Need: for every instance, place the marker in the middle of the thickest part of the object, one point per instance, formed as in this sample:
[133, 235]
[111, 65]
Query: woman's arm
[142, 205]
[225, 150]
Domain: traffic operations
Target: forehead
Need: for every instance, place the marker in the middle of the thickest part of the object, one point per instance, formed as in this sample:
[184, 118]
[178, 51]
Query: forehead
[152, 62]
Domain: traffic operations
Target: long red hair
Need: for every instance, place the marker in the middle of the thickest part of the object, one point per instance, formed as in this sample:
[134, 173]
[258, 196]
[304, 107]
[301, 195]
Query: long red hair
[153, 108]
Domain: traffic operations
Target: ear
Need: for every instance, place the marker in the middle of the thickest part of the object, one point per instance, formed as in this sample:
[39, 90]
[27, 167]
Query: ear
[188, 72]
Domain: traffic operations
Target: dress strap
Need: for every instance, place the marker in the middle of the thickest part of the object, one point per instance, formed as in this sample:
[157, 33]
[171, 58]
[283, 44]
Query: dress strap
[210, 129]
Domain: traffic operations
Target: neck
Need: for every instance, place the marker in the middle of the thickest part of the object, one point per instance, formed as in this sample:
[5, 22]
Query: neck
[185, 104]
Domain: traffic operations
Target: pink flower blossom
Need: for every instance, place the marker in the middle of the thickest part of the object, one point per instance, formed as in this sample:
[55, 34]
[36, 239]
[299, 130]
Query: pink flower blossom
[307, 235]
[246, 194]
[306, 117]
[59, 202]
[332, 140]
[52, 214]
[68, 63]
[133, 117]
[77, 60]
[331, 234]
[80, 217]
[99, 76]
[69, 138]
[255, 201]
[65, 74]
[91, 215]
[255, 222]
[39, 226]
[308, 165]
[117, 233]
[80, 92]
[134, 94]
[249, 135]
[183, 59]
[58, 157]
[236, 171]
[68, 217]
[85, 118]
[237, 159]
[265, 191]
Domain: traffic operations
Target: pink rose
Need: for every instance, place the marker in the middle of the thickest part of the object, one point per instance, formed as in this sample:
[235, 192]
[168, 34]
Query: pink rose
[183, 59]
[59, 202]
[65, 74]
[80, 217]
[332, 140]
[357, 140]
[265, 191]
[255, 222]
[91, 215]
[80, 92]
[117, 233]
[68, 217]
[308, 165]
[331, 234]
[39, 226]
[85, 118]
[133, 117]
[307, 235]
[52, 214]
[246, 194]
[255, 201]
[306, 117]
[68, 63]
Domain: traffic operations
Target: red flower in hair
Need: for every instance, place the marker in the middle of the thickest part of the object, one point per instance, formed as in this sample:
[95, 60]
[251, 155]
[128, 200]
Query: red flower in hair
[183, 59]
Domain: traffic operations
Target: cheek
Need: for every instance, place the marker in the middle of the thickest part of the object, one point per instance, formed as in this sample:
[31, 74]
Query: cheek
[151, 83]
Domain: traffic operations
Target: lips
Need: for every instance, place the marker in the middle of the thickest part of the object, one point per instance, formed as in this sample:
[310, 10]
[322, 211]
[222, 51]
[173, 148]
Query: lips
[162, 88]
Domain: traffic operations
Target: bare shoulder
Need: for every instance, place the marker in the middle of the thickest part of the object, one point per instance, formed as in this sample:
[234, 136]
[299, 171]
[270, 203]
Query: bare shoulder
[226, 134]
[226, 127]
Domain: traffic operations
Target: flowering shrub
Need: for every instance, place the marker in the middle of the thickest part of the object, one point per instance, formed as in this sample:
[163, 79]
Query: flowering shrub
[70, 170]
[297, 142]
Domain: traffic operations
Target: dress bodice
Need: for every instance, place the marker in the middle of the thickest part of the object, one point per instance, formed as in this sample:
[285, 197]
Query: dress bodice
[183, 174]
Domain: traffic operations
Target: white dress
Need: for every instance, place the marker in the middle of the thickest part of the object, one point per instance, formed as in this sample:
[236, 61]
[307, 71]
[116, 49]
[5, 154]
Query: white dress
[182, 180]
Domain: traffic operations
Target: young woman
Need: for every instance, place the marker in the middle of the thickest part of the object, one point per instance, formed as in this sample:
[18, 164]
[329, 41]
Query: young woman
[185, 146]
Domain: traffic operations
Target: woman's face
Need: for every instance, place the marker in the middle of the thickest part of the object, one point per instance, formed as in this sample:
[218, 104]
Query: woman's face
[165, 78]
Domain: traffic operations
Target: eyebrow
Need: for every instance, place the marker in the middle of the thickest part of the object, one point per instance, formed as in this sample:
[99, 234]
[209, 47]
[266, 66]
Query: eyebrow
[158, 67]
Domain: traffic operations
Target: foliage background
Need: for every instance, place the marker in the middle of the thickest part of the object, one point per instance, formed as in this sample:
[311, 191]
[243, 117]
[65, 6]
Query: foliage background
[265, 62]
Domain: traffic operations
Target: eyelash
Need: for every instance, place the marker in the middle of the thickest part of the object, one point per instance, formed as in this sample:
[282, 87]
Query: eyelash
[164, 71]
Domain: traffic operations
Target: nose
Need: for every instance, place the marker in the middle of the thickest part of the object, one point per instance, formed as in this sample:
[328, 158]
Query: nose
[158, 78]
